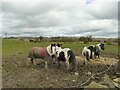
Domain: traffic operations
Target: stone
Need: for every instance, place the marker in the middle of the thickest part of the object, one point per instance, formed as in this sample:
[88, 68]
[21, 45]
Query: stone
[74, 80]
[107, 81]
[116, 85]
[76, 73]
[89, 73]
[95, 85]
[117, 80]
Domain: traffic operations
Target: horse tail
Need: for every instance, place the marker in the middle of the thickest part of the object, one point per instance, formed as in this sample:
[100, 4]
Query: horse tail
[87, 55]
[72, 59]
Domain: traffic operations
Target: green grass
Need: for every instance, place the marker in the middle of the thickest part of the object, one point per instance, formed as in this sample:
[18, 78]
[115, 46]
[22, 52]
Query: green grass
[14, 46]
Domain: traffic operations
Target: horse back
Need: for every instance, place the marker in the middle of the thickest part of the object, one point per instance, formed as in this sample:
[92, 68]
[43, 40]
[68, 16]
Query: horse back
[39, 52]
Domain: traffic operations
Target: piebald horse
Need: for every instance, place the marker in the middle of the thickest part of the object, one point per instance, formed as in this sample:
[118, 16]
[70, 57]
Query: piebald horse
[92, 51]
[42, 53]
[96, 50]
[67, 55]
[86, 54]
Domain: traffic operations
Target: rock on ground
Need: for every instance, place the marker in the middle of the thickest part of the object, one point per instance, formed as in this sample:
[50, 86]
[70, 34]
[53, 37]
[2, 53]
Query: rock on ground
[95, 85]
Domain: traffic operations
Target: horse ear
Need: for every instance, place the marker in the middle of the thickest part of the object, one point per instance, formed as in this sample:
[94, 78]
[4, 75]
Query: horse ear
[57, 44]
[60, 44]
[54, 44]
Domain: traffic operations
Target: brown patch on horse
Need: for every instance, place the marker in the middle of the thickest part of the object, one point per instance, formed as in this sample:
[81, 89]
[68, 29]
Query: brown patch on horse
[38, 52]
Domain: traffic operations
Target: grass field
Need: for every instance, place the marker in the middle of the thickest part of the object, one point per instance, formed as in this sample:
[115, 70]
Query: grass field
[16, 74]
[14, 46]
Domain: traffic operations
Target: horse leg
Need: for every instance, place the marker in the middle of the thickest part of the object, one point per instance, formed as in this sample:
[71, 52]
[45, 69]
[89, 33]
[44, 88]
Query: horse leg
[32, 61]
[98, 56]
[46, 66]
[28, 60]
[84, 61]
[54, 60]
[93, 55]
[35, 62]
[88, 58]
[68, 64]
[58, 64]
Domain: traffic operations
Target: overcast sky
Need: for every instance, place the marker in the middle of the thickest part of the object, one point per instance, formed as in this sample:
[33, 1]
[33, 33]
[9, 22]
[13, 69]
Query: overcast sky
[88, 17]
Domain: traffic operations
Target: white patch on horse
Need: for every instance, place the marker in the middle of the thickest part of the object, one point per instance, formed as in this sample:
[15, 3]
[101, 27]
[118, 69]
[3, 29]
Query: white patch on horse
[66, 56]
[86, 54]
[98, 45]
[49, 50]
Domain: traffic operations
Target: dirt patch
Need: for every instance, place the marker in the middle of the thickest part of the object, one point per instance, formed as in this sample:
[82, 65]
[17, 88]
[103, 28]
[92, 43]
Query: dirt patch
[101, 60]
[16, 74]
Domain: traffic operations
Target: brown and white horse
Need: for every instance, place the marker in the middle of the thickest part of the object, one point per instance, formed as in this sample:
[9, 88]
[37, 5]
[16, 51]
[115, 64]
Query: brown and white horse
[45, 53]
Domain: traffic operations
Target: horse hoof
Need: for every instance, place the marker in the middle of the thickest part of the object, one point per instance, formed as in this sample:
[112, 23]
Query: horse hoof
[58, 67]
[53, 63]
[83, 63]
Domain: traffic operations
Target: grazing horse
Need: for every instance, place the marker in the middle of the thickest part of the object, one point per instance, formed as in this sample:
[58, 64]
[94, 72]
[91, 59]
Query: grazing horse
[86, 54]
[97, 49]
[66, 55]
[42, 53]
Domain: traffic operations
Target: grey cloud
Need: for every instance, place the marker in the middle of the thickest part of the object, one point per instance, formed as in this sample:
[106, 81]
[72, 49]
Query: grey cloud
[102, 10]
[55, 19]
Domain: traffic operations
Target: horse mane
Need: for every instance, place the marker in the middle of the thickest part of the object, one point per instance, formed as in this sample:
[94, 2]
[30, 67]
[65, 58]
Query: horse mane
[49, 50]
[59, 45]
[99, 45]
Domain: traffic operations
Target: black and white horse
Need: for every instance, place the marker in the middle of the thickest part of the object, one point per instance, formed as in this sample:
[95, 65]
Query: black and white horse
[92, 51]
[96, 50]
[86, 54]
[67, 55]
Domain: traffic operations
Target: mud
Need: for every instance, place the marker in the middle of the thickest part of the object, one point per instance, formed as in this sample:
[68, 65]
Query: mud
[17, 74]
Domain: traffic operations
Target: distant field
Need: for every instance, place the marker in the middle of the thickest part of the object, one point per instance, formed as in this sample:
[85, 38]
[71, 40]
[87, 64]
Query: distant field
[14, 46]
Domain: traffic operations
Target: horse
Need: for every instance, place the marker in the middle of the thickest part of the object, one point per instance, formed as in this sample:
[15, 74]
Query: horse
[42, 53]
[97, 50]
[86, 54]
[67, 55]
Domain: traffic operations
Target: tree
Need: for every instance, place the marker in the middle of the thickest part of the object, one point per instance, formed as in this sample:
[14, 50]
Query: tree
[86, 39]
[40, 38]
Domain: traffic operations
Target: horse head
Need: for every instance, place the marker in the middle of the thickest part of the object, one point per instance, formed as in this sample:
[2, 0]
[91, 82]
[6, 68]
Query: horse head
[58, 47]
[51, 49]
[102, 46]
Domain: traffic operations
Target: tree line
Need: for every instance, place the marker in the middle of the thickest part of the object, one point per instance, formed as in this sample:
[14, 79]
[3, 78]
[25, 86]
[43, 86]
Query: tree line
[62, 39]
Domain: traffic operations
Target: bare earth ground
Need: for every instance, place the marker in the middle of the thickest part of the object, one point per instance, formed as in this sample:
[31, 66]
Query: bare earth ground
[16, 74]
